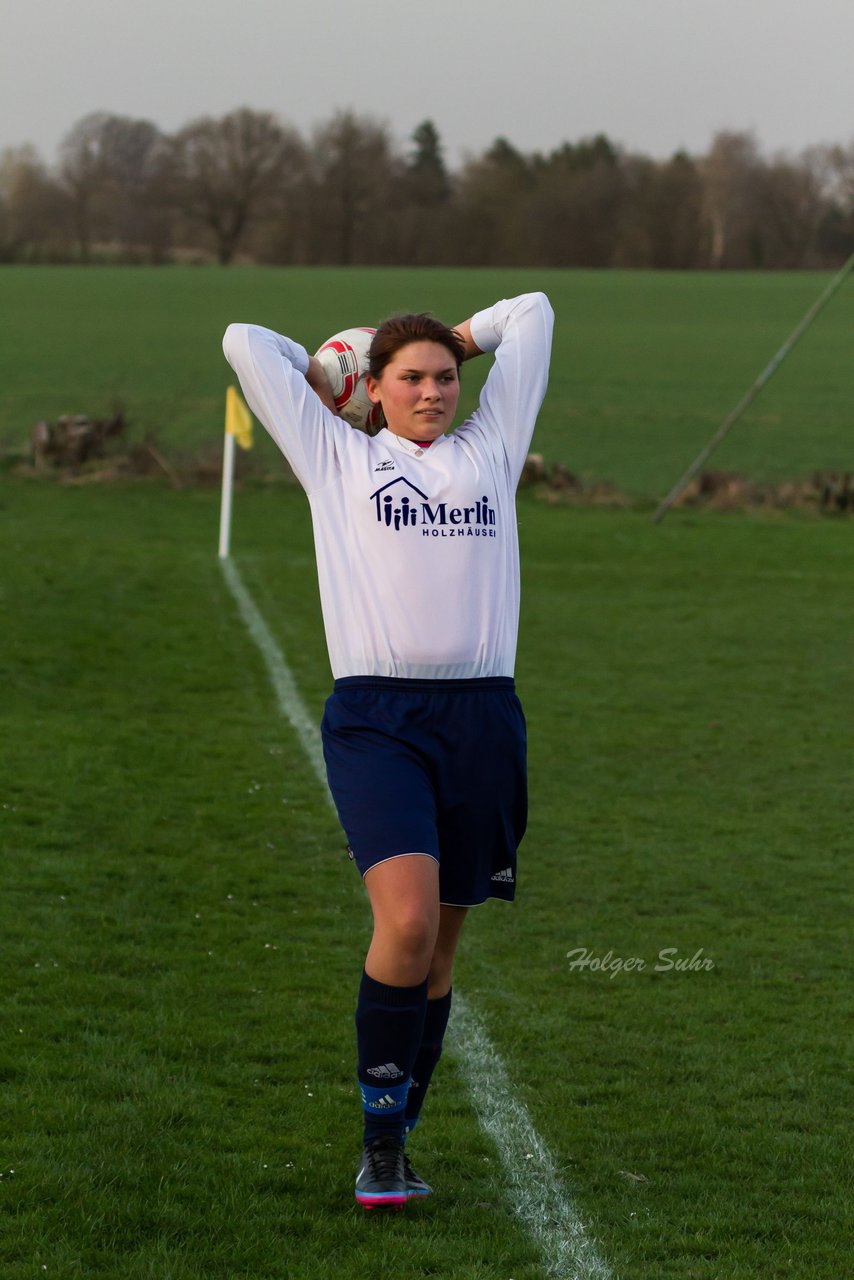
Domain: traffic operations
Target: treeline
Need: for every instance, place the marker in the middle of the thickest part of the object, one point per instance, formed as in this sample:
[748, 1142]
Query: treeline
[250, 187]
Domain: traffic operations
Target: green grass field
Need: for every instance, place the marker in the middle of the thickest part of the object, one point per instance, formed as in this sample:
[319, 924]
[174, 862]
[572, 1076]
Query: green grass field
[646, 365]
[182, 932]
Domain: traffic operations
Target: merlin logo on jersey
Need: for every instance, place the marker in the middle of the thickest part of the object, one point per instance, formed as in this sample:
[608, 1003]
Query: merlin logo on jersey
[402, 510]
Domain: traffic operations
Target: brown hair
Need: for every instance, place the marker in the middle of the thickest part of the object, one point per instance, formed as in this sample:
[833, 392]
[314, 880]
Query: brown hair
[399, 331]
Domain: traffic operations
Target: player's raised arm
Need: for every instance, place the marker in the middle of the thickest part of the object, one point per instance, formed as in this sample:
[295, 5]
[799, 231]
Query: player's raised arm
[318, 379]
[519, 332]
[289, 392]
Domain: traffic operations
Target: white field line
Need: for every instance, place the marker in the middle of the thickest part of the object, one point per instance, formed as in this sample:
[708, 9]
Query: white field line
[534, 1189]
[284, 685]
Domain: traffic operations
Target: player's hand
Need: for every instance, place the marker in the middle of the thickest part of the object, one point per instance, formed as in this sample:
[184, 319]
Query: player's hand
[318, 379]
[471, 347]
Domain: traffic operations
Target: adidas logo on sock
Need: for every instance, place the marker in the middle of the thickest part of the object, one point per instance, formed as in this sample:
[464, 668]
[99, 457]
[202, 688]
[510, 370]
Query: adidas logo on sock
[505, 877]
[388, 1071]
[382, 1104]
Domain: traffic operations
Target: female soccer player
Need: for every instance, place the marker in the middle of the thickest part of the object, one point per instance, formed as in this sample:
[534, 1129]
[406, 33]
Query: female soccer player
[424, 737]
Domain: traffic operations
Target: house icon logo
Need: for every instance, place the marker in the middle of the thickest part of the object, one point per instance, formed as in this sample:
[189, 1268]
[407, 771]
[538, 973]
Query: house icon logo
[395, 507]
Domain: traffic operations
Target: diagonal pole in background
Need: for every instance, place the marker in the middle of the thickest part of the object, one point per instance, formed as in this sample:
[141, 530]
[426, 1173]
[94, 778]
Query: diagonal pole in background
[754, 391]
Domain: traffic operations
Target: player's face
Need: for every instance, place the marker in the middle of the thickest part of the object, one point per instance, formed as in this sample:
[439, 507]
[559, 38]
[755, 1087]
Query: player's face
[419, 389]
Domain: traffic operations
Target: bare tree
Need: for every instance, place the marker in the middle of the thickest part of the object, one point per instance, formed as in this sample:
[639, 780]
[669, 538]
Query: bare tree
[81, 172]
[134, 166]
[228, 173]
[112, 169]
[34, 211]
[790, 210]
[660, 218]
[492, 209]
[354, 189]
[729, 173]
[832, 168]
[678, 227]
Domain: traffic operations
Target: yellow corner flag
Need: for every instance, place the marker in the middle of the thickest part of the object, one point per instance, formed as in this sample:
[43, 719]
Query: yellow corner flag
[238, 419]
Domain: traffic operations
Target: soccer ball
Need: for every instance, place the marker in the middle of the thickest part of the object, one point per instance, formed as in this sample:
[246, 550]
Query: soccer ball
[344, 356]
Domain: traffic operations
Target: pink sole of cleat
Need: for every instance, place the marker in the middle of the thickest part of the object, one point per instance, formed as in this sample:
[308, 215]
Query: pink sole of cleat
[390, 1202]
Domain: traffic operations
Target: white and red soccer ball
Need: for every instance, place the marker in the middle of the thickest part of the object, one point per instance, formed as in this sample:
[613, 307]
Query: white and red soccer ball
[344, 356]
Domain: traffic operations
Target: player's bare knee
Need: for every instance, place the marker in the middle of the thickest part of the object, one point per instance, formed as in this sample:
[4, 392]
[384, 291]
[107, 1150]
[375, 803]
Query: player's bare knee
[415, 935]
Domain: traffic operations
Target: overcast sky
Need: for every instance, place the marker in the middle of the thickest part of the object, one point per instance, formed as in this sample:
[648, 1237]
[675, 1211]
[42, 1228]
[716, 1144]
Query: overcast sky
[655, 75]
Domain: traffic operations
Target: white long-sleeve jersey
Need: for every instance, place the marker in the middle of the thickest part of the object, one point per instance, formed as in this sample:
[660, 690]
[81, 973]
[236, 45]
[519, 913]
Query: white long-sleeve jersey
[417, 549]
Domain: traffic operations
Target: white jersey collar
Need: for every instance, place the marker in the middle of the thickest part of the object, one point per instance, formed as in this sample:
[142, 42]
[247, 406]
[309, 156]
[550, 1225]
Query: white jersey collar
[409, 446]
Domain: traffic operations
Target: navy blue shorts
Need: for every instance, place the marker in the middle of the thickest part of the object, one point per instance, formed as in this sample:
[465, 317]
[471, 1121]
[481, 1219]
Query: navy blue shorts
[435, 767]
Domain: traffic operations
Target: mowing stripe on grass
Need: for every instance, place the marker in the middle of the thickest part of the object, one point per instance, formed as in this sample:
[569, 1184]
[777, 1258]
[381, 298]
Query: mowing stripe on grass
[535, 1191]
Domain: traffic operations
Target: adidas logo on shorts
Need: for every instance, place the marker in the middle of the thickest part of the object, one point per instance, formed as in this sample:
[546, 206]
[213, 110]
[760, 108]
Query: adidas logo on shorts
[503, 877]
[388, 1071]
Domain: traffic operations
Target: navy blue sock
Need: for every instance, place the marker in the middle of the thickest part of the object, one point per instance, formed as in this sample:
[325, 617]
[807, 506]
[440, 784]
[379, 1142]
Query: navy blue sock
[435, 1022]
[389, 1026]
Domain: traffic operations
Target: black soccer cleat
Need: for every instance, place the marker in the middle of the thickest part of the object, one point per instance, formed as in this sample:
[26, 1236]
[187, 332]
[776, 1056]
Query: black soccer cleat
[381, 1180]
[416, 1188]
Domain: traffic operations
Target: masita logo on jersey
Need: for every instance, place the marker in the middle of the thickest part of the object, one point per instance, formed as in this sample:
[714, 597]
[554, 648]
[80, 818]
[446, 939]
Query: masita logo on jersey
[402, 505]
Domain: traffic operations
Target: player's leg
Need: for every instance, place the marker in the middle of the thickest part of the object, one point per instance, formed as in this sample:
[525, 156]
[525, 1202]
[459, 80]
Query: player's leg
[385, 799]
[481, 811]
[451, 920]
[404, 897]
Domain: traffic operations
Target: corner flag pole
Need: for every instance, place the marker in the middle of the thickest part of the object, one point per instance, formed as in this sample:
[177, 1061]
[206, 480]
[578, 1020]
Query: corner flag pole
[238, 429]
[225, 500]
[751, 395]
